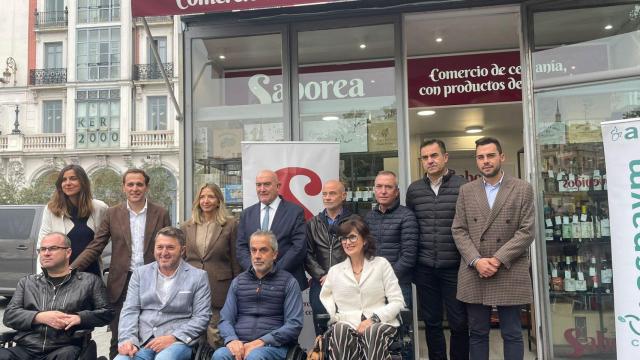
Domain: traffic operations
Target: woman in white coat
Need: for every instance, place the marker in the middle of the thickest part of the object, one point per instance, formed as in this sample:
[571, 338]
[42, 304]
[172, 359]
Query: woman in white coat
[363, 298]
[73, 211]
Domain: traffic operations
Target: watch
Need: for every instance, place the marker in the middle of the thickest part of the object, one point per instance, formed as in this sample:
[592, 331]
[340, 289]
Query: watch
[374, 318]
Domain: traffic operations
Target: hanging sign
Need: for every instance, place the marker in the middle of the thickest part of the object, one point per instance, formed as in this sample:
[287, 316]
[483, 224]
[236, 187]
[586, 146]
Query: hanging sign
[622, 154]
[464, 79]
[184, 7]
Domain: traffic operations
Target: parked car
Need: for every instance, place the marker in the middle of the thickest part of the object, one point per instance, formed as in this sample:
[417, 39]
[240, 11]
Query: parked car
[19, 228]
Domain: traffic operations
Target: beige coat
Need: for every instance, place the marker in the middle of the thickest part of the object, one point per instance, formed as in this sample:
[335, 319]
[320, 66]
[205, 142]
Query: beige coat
[506, 231]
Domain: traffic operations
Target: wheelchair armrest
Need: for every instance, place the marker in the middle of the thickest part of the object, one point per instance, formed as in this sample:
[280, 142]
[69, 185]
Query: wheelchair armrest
[7, 335]
[323, 321]
[406, 316]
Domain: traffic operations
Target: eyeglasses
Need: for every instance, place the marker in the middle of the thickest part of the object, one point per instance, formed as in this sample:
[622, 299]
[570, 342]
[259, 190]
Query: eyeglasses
[43, 249]
[351, 238]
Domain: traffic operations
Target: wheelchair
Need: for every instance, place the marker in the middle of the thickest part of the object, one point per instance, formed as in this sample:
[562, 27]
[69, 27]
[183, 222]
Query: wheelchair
[205, 352]
[88, 350]
[402, 342]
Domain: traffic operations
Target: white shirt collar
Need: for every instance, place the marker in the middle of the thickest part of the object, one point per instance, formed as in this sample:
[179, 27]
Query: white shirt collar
[144, 208]
[497, 184]
[274, 204]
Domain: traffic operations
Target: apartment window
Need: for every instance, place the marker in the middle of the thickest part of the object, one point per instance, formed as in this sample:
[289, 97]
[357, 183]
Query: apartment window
[52, 116]
[93, 11]
[54, 5]
[161, 44]
[53, 55]
[98, 54]
[97, 118]
[157, 113]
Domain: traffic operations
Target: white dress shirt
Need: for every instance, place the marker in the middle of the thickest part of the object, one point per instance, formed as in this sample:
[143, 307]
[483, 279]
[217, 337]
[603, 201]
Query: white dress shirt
[272, 210]
[137, 223]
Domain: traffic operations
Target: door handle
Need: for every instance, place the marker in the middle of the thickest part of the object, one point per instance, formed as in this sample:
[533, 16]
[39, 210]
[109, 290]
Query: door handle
[22, 247]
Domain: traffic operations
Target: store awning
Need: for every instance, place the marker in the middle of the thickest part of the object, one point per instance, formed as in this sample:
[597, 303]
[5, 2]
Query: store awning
[183, 7]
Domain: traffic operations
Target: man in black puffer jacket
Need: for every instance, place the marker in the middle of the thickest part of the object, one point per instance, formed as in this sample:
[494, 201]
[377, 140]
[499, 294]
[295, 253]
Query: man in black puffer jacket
[395, 229]
[46, 308]
[324, 249]
[433, 200]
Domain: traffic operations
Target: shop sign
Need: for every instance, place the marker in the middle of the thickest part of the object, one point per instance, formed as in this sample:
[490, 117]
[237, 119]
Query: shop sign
[622, 156]
[183, 7]
[321, 82]
[464, 79]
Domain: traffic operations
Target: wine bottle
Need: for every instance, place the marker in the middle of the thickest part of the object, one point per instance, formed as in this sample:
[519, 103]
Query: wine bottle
[594, 282]
[557, 284]
[597, 180]
[586, 224]
[606, 276]
[581, 282]
[569, 282]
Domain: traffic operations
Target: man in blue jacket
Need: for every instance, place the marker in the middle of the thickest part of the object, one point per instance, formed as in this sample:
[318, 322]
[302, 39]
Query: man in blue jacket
[262, 316]
[395, 229]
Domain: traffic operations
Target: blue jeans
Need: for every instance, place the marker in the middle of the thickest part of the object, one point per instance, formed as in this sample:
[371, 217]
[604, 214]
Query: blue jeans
[177, 351]
[261, 353]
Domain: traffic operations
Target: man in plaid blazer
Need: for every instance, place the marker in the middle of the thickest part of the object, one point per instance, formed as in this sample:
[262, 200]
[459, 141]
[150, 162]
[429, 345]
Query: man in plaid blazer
[493, 229]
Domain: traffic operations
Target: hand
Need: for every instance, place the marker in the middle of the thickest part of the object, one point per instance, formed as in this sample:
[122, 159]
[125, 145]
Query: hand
[364, 325]
[72, 320]
[237, 349]
[485, 268]
[160, 343]
[495, 262]
[322, 279]
[127, 349]
[54, 319]
[250, 346]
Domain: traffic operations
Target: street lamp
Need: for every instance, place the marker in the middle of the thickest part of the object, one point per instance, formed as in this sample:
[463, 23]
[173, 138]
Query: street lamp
[9, 70]
[16, 124]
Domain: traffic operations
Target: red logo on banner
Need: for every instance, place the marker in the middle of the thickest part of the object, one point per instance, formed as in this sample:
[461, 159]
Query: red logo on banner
[464, 79]
[313, 188]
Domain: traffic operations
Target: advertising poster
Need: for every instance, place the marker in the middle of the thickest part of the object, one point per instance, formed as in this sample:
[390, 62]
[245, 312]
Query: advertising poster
[622, 154]
[302, 168]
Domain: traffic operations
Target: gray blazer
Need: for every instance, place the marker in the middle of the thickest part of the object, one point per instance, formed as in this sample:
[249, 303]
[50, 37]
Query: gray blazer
[185, 315]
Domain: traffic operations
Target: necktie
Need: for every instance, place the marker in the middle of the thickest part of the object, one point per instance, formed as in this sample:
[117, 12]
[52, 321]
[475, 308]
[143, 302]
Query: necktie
[265, 220]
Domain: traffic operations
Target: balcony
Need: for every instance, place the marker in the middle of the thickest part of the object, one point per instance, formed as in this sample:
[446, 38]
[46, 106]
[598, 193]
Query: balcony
[146, 72]
[51, 20]
[39, 77]
[4, 142]
[46, 142]
[152, 139]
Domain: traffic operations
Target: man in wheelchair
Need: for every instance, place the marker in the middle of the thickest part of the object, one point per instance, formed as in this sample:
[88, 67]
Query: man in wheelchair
[262, 316]
[46, 309]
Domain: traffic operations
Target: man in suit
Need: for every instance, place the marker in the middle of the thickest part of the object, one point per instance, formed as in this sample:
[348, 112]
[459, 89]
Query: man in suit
[284, 219]
[262, 316]
[163, 318]
[493, 229]
[131, 226]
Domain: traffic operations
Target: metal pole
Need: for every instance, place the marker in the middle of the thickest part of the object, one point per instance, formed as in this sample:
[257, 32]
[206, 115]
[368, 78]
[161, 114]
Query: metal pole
[154, 50]
[16, 124]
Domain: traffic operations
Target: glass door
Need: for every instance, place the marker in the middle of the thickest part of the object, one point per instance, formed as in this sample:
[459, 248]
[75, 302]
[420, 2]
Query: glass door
[585, 70]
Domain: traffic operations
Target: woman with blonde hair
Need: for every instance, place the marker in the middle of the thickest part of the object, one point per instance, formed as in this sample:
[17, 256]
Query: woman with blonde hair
[211, 246]
[73, 211]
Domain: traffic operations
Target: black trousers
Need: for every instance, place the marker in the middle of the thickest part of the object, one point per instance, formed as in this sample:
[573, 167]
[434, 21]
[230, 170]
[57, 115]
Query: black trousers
[510, 329]
[436, 287]
[20, 353]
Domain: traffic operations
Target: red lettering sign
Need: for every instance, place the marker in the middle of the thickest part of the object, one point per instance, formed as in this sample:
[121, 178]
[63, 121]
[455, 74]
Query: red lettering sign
[598, 345]
[183, 7]
[464, 79]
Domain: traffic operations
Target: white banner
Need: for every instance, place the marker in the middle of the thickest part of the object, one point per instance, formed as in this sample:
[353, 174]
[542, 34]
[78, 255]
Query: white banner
[622, 154]
[302, 168]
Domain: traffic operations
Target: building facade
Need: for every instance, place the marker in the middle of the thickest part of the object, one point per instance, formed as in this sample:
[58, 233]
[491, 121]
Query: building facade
[91, 93]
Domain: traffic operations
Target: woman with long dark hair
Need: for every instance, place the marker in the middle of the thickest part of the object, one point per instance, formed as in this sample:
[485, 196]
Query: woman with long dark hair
[362, 297]
[211, 246]
[73, 211]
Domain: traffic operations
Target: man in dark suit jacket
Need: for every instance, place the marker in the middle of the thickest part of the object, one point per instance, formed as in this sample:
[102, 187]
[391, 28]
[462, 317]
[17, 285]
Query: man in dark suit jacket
[284, 219]
[131, 226]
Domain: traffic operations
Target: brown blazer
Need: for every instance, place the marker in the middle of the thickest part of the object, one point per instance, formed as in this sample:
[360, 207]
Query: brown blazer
[116, 227]
[219, 260]
[505, 231]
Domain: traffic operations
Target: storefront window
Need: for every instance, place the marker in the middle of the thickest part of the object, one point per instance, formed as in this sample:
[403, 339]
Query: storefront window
[346, 93]
[237, 95]
[577, 56]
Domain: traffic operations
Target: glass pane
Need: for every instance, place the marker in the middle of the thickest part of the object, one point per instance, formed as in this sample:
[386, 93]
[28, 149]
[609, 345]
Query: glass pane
[237, 95]
[347, 94]
[603, 44]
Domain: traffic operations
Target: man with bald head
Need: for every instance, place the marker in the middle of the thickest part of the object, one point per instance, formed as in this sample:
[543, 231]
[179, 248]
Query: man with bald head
[324, 249]
[281, 217]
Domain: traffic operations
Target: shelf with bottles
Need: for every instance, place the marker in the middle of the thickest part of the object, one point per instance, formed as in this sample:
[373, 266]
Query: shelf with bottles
[580, 274]
[585, 223]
